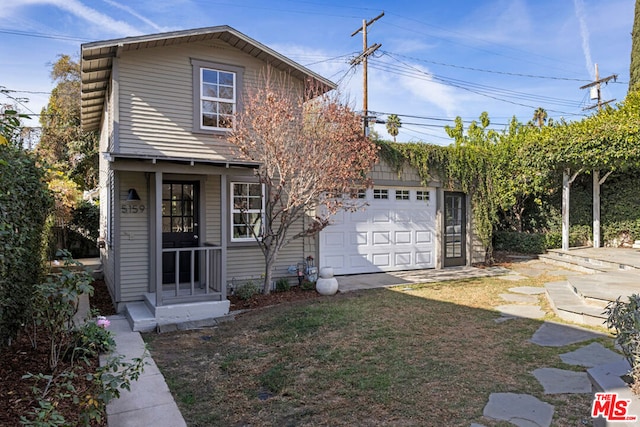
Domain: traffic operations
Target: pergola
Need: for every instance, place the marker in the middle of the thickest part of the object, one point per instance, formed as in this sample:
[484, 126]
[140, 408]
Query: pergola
[606, 142]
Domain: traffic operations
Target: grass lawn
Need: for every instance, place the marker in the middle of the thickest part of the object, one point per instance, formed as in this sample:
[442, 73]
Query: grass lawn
[425, 355]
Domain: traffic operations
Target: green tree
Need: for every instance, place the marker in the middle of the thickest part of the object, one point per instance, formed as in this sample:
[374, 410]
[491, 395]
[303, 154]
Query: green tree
[634, 69]
[394, 124]
[540, 115]
[63, 145]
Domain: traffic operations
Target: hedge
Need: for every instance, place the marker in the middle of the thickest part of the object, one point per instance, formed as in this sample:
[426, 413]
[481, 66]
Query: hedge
[24, 206]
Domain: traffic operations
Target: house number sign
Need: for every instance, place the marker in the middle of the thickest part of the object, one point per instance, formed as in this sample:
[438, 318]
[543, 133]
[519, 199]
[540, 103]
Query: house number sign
[132, 209]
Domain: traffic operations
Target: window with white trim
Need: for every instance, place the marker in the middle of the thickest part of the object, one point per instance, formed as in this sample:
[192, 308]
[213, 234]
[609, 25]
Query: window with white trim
[402, 194]
[217, 99]
[422, 195]
[247, 206]
[216, 96]
[379, 193]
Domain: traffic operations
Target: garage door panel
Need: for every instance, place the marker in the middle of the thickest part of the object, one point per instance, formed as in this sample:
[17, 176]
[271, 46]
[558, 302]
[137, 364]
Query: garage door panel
[359, 261]
[333, 239]
[403, 259]
[381, 260]
[424, 258]
[358, 216]
[381, 238]
[402, 217]
[335, 261]
[422, 216]
[358, 238]
[424, 237]
[381, 216]
[402, 237]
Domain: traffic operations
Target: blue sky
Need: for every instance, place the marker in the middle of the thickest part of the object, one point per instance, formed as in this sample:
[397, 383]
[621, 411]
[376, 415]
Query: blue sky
[438, 60]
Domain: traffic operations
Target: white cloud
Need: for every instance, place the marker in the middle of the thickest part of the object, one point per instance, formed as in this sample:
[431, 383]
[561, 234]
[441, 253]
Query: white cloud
[135, 14]
[78, 9]
[584, 34]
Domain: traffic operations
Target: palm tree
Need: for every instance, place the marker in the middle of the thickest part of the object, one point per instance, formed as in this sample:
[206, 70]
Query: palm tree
[393, 125]
[540, 116]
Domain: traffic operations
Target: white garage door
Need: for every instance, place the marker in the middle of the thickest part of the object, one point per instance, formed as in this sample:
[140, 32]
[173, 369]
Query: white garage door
[395, 232]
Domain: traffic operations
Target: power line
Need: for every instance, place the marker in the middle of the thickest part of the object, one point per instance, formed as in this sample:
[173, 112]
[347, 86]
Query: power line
[484, 70]
[43, 35]
[483, 90]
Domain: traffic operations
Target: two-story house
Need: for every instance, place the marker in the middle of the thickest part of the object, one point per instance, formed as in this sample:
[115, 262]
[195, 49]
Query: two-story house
[172, 239]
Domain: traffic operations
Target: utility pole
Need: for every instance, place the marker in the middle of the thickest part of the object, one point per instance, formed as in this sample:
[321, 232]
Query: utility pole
[597, 182]
[362, 58]
[595, 91]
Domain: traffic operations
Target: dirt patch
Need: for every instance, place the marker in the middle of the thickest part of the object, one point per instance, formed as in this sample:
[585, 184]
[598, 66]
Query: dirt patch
[16, 397]
[274, 298]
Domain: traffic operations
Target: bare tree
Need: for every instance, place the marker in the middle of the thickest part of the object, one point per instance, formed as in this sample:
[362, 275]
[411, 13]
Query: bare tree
[312, 156]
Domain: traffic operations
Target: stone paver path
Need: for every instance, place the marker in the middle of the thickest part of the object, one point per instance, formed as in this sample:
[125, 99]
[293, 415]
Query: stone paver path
[521, 310]
[551, 334]
[591, 355]
[560, 381]
[524, 410]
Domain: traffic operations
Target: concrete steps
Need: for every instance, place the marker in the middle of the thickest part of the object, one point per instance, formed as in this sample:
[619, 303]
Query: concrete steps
[583, 298]
[145, 316]
[570, 306]
[584, 262]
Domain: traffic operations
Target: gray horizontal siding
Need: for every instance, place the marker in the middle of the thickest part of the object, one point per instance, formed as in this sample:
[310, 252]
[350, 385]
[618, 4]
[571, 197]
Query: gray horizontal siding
[248, 262]
[156, 99]
[212, 210]
[134, 241]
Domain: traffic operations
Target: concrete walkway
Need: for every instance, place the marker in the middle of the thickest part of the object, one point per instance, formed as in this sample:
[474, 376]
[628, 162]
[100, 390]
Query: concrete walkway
[149, 402]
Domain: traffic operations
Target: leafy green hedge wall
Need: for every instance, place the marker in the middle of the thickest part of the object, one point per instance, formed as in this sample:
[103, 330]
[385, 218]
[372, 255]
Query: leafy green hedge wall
[24, 206]
[619, 207]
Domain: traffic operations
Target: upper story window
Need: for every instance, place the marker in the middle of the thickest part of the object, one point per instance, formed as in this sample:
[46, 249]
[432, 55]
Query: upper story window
[216, 96]
[217, 99]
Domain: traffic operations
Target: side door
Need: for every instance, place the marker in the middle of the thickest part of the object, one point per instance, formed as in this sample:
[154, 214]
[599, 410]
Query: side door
[455, 229]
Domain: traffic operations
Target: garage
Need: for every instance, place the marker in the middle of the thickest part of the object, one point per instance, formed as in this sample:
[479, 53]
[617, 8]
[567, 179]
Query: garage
[395, 232]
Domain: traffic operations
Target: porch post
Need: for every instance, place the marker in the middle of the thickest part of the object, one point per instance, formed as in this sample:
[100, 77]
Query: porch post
[566, 190]
[158, 236]
[596, 209]
[224, 233]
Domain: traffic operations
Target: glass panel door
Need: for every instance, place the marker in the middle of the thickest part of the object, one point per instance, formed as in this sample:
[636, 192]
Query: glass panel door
[179, 228]
[455, 220]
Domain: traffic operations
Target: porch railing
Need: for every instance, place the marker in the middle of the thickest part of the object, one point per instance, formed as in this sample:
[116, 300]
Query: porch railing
[204, 272]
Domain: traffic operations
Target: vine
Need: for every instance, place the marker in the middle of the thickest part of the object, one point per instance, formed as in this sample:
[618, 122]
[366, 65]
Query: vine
[459, 167]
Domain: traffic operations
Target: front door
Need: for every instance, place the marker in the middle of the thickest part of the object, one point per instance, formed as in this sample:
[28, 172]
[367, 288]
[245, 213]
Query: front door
[179, 228]
[455, 229]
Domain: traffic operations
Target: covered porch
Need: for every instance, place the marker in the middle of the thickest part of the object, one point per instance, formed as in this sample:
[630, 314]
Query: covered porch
[173, 235]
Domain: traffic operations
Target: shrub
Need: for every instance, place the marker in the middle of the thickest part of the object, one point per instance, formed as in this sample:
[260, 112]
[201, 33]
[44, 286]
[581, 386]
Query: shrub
[24, 205]
[512, 241]
[624, 318]
[282, 285]
[307, 285]
[56, 304]
[247, 290]
[91, 339]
